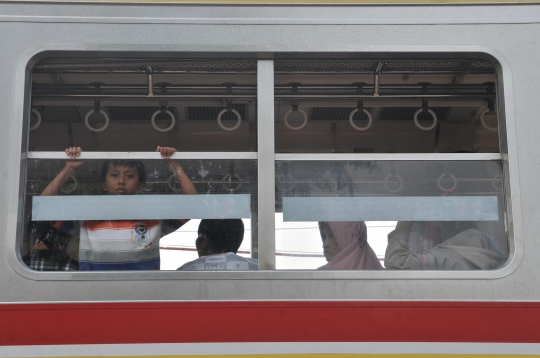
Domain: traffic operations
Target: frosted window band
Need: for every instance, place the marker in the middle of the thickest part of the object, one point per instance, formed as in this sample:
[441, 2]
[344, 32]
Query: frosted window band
[130, 207]
[410, 208]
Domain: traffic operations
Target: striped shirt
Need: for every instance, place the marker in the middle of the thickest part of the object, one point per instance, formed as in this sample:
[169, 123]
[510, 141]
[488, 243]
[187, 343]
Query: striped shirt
[108, 245]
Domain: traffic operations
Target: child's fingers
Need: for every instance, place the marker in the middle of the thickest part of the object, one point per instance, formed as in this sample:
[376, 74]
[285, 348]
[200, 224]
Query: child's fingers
[165, 152]
[171, 151]
[160, 150]
[73, 152]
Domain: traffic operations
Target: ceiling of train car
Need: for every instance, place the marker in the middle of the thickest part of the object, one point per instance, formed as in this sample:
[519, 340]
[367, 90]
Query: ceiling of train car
[195, 91]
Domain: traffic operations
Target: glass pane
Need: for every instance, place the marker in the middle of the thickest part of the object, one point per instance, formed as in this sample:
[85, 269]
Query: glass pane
[318, 103]
[191, 105]
[89, 221]
[424, 215]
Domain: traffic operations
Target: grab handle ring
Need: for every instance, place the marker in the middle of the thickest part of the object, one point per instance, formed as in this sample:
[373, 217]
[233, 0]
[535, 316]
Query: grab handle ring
[286, 120]
[153, 120]
[493, 180]
[228, 186]
[370, 120]
[171, 185]
[38, 115]
[282, 179]
[439, 184]
[103, 113]
[238, 120]
[422, 127]
[71, 188]
[398, 189]
[484, 122]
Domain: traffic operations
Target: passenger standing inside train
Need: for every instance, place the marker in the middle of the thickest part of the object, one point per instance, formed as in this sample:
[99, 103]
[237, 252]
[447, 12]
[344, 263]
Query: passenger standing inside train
[345, 246]
[217, 243]
[52, 250]
[119, 244]
[457, 245]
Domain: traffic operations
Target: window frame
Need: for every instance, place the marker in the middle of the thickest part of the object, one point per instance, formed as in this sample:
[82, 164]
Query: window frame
[267, 157]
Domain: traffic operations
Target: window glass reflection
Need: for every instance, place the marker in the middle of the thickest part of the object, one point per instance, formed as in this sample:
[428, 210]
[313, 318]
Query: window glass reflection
[88, 222]
[394, 214]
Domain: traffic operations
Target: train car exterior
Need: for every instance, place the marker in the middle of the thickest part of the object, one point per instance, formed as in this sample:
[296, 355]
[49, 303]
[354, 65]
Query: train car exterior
[257, 60]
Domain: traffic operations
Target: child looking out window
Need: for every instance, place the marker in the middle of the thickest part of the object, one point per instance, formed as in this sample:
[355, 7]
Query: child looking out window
[119, 244]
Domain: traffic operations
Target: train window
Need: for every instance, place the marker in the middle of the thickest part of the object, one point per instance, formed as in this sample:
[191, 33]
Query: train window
[388, 164]
[268, 164]
[180, 134]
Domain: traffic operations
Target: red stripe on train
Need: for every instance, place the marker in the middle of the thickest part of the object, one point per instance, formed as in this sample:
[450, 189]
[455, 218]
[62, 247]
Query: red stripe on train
[154, 322]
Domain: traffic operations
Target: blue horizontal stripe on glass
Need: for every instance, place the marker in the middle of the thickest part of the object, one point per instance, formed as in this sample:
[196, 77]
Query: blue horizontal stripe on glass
[405, 208]
[133, 207]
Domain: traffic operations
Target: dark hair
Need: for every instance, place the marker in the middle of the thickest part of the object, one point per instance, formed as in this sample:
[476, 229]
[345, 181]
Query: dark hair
[223, 234]
[124, 163]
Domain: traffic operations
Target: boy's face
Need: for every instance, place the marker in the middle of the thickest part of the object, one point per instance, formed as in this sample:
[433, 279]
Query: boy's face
[122, 180]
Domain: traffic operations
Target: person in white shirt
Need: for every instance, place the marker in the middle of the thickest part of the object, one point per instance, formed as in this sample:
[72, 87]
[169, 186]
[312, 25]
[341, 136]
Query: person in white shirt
[217, 243]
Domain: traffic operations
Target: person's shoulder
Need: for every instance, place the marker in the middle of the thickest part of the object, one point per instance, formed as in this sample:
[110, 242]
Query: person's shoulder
[253, 264]
[231, 256]
[252, 260]
[195, 265]
[465, 237]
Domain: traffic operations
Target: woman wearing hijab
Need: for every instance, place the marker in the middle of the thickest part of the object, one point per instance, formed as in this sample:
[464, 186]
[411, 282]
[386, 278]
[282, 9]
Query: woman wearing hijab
[345, 246]
[458, 245]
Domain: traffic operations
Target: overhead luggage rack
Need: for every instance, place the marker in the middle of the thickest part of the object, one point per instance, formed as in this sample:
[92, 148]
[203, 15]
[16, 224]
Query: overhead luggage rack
[123, 66]
[281, 66]
[387, 67]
